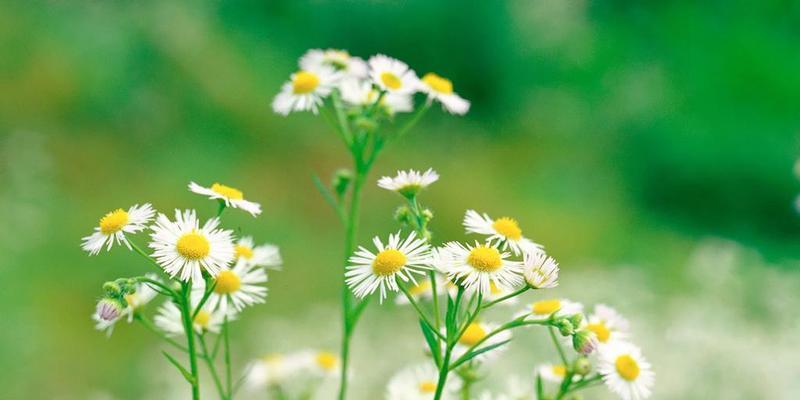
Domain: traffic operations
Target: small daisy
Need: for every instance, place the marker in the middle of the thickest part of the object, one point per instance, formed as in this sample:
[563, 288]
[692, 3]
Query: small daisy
[607, 324]
[369, 272]
[502, 230]
[475, 267]
[441, 89]
[270, 370]
[423, 289]
[106, 314]
[361, 93]
[138, 299]
[626, 372]
[419, 383]
[320, 363]
[558, 308]
[476, 333]
[339, 60]
[392, 76]
[552, 372]
[114, 225]
[238, 287]
[305, 90]
[266, 255]
[185, 250]
[170, 321]
[231, 196]
[540, 270]
[408, 183]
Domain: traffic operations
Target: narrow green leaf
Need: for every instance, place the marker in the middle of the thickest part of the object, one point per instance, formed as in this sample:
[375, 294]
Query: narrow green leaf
[186, 374]
[478, 352]
[327, 195]
[539, 387]
[433, 344]
[450, 316]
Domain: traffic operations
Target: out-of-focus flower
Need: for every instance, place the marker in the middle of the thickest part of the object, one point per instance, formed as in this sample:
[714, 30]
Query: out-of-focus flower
[392, 76]
[419, 383]
[306, 90]
[231, 196]
[441, 89]
[339, 60]
[408, 183]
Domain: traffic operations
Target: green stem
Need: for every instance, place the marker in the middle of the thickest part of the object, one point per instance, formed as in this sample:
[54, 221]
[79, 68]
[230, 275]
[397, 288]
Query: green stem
[227, 355]
[221, 208]
[211, 368]
[150, 327]
[186, 313]
[558, 346]
[443, 371]
[422, 315]
[413, 121]
[508, 296]
[141, 252]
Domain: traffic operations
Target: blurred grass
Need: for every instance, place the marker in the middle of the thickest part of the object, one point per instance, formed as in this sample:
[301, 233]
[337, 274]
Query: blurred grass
[616, 132]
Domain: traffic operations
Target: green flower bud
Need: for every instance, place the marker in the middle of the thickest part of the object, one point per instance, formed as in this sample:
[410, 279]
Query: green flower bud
[341, 181]
[403, 215]
[576, 319]
[112, 289]
[564, 327]
[582, 366]
[584, 341]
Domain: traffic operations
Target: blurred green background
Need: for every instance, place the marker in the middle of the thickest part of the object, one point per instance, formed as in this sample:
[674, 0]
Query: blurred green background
[648, 145]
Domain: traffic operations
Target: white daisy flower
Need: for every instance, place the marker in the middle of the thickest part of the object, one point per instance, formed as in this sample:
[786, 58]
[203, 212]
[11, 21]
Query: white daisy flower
[114, 225]
[423, 290]
[185, 250]
[474, 267]
[231, 196]
[271, 370]
[504, 230]
[441, 89]
[170, 321]
[306, 90]
[392, 76]
[266, 255]
[558, 308]
[419, 383]
[106, 314]
[476, 333]
[339, 60]
[626, 372]
[552, 372]
[607, 324]
[238, 287]
[320, 363]
[398, 259]
[408, 183]
[138, 299]
[540, 270]
[362, 93]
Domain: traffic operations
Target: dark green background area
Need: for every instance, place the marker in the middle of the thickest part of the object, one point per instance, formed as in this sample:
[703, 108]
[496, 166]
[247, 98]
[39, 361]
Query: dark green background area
[615, 132]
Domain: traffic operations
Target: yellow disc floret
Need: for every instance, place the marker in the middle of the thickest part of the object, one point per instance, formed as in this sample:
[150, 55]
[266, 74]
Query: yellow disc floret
[304, 82]
[388, 261]
[420, 288]
[485, 258]
[472, 335]
[508, 227]
[559, 370]
[114, 221]
[193, 246]
[627, 367]
[437, 83]
[227, 191]
[326, 360]
[427, 387]
[546, 307]
[202, 319]
[391, 80]
[600, 330]
[243, 251]
[227, 282]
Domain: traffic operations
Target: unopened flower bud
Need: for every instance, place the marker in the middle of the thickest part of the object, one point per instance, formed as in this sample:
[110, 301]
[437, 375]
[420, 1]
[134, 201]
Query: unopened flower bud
[403, 215]
[582, 366]
[584, 341]
[108, 309]
[427, 214]
[565, 327]
[112, 289]
[576, 319]
[341, 180]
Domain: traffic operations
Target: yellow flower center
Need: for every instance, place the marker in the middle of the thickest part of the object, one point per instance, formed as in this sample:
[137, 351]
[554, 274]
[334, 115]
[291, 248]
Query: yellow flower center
[243, 251]
[113, 221]
[391, 80]
[485, 259]
[326, 360]
[227, 282]
[600, 330]
[627, 367]
[202, 318]
[420, 288]
[304, 82]
[388, 262]
[559, 370]
[508, 227]
[472, 335]
[437, 83]
[227, 191]
[546, 307]
[427, 387]
[193, 246]
[494, 289]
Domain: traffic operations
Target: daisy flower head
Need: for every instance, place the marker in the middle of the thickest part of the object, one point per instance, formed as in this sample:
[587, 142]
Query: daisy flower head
[320, 363]
[418, 382]
[504, 230]
[266, 255]
[423, 289]
[540, 270]
[392, 76]
[474, 267]
[231, 196]
[114, 225]
[369, 271]
[306, 90]
[441, 89]
[237, 288]
[106, 314]
[626, 372]
[477, 335]
[169, 318]
[607, 324]
[552, 372]
[185, 250]
[408, 183]
[362, 93]
[270, 370]
[557, 308]
[339, 60]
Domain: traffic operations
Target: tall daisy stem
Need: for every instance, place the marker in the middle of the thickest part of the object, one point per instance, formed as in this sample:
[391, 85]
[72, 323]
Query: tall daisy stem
[186, 313]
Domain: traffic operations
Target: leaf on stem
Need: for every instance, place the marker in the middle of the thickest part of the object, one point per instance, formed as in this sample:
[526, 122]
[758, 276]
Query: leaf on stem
[186, 374]
[433, 343]
[478, 352]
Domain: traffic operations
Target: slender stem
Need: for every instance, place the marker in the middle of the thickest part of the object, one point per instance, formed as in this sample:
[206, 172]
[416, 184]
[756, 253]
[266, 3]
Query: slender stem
[435, 299]
[206, 355]
[443, 371]
[558, 346]
[150, 327]
[501, 328]
[508, 296]
[221, 208]
[413, 121]
[227, 355]
[189, 330]
[157, 284]
[141, 252]
[422, 315]
[204, 299]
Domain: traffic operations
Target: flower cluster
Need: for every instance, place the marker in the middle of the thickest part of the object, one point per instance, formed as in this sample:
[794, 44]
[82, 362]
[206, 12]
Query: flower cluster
[206, 275]
[293, 375]
[469, 278]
